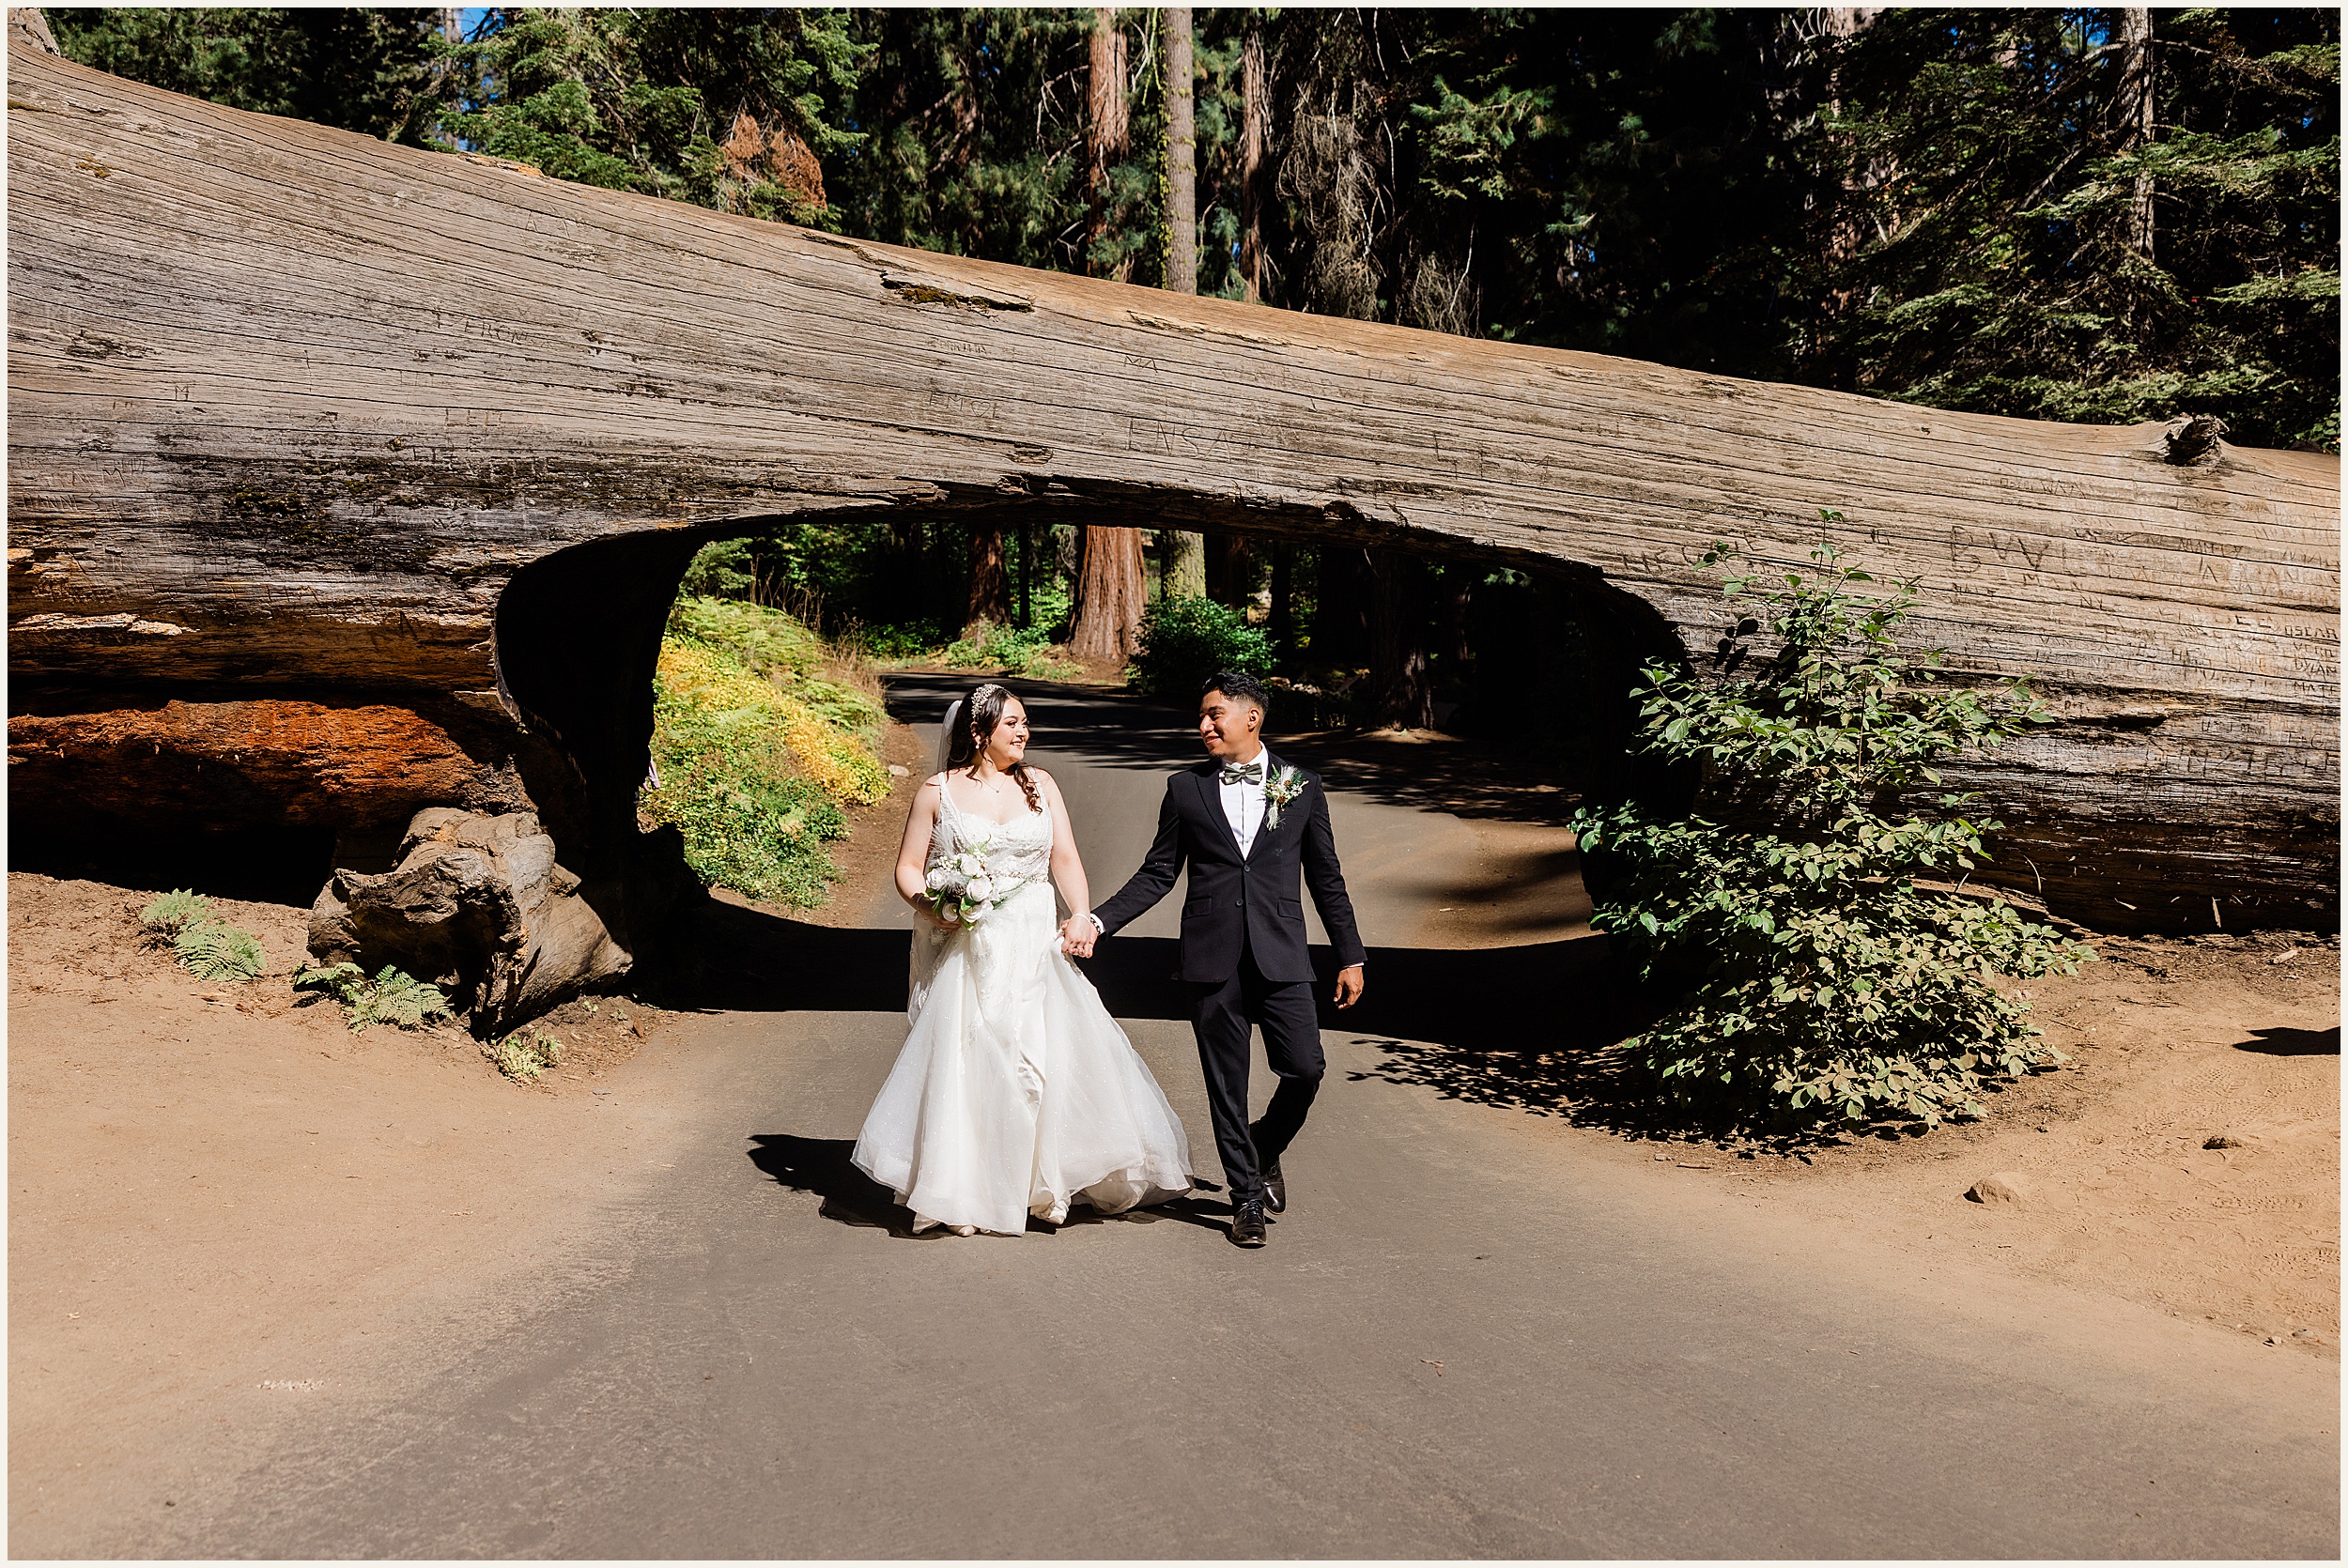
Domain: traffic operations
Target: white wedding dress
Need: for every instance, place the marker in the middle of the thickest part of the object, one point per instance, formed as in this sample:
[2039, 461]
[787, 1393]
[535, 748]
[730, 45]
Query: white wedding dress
[1016, 1093]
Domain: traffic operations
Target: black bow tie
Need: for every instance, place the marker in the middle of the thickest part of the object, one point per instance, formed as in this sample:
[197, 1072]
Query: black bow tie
[1251, 774]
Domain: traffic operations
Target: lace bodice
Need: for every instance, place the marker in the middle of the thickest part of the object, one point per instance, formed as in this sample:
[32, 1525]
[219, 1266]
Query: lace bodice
[1017, 851]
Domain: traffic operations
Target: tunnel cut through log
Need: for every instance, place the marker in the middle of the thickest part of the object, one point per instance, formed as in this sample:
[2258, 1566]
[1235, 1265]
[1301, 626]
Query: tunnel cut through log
[577, 634]
[294, 413]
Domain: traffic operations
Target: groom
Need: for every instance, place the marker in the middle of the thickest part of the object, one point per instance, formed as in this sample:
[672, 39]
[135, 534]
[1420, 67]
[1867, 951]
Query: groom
[1247, 824]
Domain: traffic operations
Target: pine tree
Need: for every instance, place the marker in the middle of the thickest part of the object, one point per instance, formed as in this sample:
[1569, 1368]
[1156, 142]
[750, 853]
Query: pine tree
[729, 109]
[2093, 216]
[362, 70]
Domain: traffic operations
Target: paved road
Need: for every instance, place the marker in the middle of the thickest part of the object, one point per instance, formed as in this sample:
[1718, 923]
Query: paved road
[1471, 1336]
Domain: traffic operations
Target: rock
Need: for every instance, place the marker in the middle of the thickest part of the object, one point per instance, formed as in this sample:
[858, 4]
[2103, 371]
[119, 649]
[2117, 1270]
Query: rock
[2225, 1141]
[478, 906]
[2005, 1188]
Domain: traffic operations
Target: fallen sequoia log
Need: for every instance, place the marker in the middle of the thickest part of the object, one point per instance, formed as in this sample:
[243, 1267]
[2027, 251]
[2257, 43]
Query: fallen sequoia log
[420, 442]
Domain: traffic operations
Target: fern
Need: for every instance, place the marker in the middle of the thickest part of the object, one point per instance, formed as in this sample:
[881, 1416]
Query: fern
[341, 981]
[215, 950]
[523, 1060]
[393, 996]
[398, 997]
[174, 912]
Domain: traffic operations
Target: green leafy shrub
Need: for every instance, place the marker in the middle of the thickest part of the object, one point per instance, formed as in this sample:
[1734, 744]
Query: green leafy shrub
[524, 1059]
[1185, 640]
[201, 940]
[750, 829]
[1820, 978]
[895, 641]
[393, 996]
[1015, 649]
[725, 570]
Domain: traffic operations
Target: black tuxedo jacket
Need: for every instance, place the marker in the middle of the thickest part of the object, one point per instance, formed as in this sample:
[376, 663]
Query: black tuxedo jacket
[1232, 903]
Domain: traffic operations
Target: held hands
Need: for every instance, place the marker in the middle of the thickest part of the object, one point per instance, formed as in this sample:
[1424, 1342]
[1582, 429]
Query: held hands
[1077, 935]
[1349, 985]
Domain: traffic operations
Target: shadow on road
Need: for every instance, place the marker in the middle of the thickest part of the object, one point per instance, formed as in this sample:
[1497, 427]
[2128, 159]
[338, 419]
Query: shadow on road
[1535, 1029]
[2293, 1042]
[1122, 729]
[1548, 995]
[822, 1166]
[1108, 729]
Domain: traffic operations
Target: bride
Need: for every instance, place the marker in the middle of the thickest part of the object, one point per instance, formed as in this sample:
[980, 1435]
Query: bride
[1016, 1093]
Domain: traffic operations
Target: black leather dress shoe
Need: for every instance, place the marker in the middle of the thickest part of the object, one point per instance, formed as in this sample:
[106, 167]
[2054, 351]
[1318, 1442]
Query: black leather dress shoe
[1247, 1223]
[1275, 1189]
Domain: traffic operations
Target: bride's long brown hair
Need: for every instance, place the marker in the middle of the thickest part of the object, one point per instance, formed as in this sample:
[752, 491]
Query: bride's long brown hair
[981, 711]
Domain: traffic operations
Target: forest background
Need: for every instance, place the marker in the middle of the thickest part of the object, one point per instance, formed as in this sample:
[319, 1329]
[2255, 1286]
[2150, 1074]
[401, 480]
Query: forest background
[2108, 215]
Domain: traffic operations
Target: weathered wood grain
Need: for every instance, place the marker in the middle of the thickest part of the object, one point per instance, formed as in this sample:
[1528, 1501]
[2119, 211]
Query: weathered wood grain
[289, 410]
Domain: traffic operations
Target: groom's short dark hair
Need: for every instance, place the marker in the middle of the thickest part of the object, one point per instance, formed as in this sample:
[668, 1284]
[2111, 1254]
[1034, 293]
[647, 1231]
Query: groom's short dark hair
[1239, 684]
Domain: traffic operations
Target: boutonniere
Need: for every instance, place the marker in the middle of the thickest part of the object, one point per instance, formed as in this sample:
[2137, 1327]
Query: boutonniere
[1284, 785]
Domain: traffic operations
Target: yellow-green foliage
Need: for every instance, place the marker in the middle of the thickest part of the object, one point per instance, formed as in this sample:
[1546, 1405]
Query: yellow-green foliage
[719, 650]
[757, 751]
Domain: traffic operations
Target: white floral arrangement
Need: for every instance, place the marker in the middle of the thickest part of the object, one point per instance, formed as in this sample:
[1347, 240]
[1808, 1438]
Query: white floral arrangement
[963, 891]
[1283, 785]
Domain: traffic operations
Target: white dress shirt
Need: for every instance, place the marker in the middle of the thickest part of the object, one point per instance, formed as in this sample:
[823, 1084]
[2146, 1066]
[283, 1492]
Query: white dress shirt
[1243, 805]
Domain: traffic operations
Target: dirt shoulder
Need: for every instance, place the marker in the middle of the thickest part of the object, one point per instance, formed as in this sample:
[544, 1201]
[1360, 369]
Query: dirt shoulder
[2175, 1046]
[209, 1183]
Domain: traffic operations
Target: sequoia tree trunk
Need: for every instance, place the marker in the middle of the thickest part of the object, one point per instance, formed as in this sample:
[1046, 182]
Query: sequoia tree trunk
[1111, 590]
[1231, 577]
[1106, 594]
[1255, 117]
[990, 579]
[298, 417]
[1184, 552]
[1106, 138]
[1401, 694]
[2135, 108]
[1181, 157]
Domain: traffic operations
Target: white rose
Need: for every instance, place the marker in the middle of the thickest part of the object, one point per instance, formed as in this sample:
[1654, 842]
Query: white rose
[982, 888]
[935, 879]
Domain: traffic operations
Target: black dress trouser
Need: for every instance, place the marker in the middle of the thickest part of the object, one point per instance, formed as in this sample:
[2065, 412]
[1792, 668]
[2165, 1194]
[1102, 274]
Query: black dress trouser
[1221, 1015]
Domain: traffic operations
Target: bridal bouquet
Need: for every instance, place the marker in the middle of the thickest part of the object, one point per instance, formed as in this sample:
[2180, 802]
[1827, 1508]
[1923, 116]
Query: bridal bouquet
[963, 891]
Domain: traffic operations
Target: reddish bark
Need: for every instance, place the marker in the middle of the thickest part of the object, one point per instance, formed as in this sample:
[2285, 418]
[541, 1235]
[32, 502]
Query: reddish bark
[242, 764]
[1110, 584]
[990, 579]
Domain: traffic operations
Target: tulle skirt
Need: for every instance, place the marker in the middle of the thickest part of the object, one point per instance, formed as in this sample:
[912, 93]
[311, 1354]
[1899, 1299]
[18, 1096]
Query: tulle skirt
[1016, 1093]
